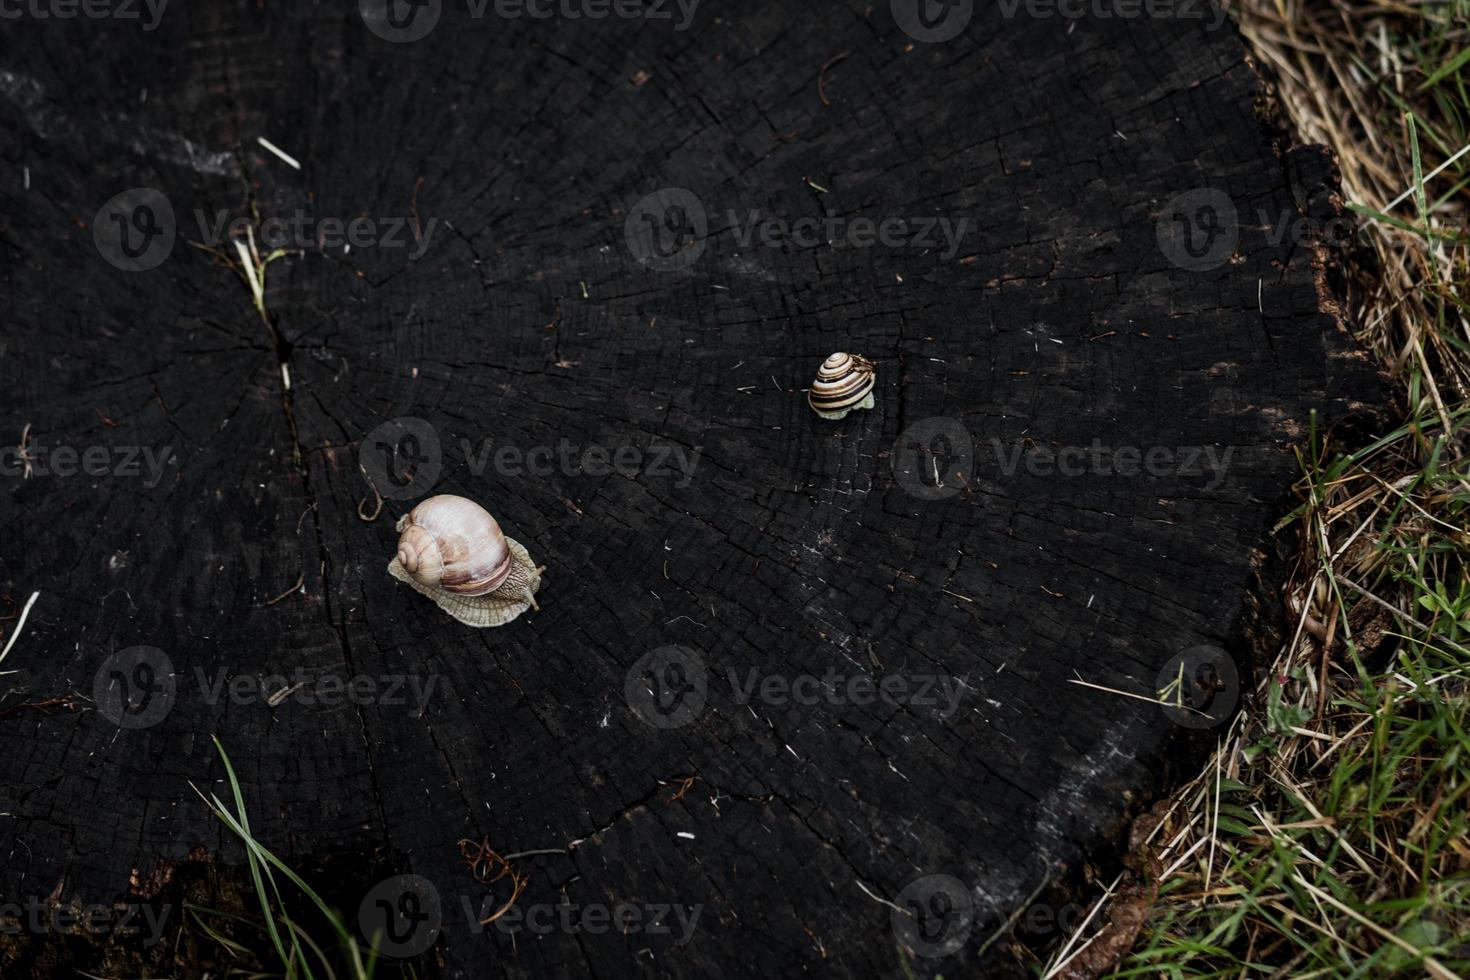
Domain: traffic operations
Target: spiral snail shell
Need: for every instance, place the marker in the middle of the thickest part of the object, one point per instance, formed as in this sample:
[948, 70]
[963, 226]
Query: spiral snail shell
[844, 383]
[451, 550]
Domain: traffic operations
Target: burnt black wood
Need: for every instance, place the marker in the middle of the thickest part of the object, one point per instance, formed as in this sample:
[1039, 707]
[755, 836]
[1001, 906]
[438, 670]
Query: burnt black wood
[529, 319]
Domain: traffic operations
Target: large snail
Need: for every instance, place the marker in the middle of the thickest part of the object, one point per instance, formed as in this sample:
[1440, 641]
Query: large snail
[844, 383]
[452, 550]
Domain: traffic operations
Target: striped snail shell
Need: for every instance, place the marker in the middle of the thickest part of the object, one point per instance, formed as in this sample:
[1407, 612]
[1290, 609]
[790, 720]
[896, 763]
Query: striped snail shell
[451, 550]
[844, 383]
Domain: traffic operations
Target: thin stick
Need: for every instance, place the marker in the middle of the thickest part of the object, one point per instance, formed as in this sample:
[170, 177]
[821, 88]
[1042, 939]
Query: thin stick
[20, 624]
[1126, 694]
[822, 78]
[290, 160]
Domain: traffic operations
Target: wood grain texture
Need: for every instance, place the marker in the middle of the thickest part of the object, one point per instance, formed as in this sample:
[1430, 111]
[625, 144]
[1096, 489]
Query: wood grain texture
[790, 549]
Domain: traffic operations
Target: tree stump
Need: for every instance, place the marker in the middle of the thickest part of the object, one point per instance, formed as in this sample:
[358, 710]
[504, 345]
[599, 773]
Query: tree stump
[807, 688]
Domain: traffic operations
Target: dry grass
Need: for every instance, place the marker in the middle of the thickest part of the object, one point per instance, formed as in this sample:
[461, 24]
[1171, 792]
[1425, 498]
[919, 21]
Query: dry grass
[1328, 835]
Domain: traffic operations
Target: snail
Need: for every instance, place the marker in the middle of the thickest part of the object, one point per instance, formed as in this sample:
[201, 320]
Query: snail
[452, 550]
[844, 383]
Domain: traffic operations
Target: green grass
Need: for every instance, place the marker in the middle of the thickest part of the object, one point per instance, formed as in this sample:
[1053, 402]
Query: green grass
[332, 953]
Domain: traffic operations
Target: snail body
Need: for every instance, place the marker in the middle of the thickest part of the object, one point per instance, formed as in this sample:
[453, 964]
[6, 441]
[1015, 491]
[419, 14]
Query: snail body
[451, 550]
[844, 384]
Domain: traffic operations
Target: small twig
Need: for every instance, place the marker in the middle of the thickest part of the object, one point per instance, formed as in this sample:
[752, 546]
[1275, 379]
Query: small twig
[1137, 697]
[288, 158]
[378, 509]
[19, 625]
[275, 699]
[25, 456]
[300, 581]
[61, 701]
[413, 205]
[822, 78]
[878, 898]
[483, 860]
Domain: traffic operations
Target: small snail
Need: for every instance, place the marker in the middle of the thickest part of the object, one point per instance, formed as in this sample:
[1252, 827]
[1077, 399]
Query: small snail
[844, 383]
[452, 550]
